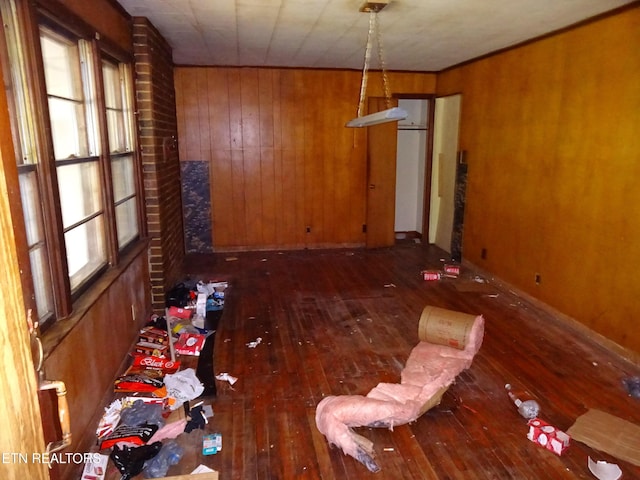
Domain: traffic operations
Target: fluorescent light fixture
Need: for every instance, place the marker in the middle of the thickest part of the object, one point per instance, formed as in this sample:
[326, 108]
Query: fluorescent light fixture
[390, 115]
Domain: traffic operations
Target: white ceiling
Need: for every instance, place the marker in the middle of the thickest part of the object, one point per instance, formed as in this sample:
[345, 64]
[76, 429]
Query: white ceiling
[417, 35]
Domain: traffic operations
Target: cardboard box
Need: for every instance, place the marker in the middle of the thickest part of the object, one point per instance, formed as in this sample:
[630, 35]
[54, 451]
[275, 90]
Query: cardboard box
[153, 335]
[548, 436]
[151, 349]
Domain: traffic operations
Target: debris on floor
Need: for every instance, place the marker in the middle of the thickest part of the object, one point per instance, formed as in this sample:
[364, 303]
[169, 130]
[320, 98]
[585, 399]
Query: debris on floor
[528, 409]
[603, 470]
[159, 396]
[608, 433]
[632, 385]
[431, 367]
[548, 436]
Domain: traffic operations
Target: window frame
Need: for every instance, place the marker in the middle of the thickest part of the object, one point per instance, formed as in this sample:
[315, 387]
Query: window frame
[57, 18]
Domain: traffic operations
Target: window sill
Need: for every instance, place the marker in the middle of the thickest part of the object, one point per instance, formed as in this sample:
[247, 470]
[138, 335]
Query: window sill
[54, 335]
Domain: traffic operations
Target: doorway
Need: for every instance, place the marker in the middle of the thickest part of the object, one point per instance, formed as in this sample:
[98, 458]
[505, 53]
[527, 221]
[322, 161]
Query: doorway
[411, 163]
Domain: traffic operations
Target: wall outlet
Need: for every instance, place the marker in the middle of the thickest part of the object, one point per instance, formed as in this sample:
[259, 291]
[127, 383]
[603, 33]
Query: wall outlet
[537, 278]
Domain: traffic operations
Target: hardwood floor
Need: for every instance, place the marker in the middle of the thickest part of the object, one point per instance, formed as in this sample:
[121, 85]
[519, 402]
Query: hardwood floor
[339, 322]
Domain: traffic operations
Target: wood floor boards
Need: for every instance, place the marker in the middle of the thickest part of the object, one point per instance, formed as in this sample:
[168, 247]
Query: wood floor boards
[338, 322]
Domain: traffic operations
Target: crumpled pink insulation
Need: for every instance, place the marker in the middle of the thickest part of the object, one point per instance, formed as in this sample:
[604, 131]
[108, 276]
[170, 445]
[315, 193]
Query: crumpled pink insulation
[429, 370]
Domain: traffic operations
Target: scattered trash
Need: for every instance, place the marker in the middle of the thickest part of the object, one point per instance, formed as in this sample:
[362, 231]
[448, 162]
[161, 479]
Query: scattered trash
[388, 449]
[255, 343]
[452, 269]
[211, 443]
[129, 435]
[225, 377]
[170, 430]
[202, 469]
[196, 418]
[389, 285]
[608, 433]
[431, 275]
[96, 468]
[183, 386]
[231, 259]
[604, 471]
[632, 384]
[190, 343]
[528, 409]
[130, 460]
[141, 412]
[548, 436]
[110, 419]
[169, 454]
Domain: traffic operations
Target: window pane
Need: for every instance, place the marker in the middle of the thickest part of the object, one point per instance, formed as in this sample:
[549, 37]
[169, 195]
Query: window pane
[31, 207]
[127, 221]
[113, 93]
[41, 282]
[61, 66]
[123, 177]
[37, 248]
[112, 88]
[67, 129]
[80, 191]
[85, 250]
[115, 126]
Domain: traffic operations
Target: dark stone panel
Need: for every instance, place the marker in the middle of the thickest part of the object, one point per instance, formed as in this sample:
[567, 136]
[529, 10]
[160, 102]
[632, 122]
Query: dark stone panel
[196, 204]
[458, 211]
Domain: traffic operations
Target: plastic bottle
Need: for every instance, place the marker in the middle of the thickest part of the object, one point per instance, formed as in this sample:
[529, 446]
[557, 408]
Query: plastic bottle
[528, 409]
[169, 454]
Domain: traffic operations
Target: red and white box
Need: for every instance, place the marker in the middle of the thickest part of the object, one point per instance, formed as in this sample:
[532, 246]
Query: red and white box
[548, 436]
[190, 343]
[181, 313]
[431, 275]
[452, 269]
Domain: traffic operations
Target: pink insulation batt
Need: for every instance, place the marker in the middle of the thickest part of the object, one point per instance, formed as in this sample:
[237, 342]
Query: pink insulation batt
[429, 369]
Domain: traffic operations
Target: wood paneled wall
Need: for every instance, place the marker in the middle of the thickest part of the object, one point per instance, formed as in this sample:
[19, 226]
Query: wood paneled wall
[91, 355]
[284, 171]
[551, 134]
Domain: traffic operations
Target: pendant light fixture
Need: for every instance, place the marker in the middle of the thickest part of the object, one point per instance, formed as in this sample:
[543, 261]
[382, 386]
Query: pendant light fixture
[391, 114]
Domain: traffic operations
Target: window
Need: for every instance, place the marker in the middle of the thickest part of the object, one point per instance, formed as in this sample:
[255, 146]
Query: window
[72, 104]
[76, 155]
[117, 93]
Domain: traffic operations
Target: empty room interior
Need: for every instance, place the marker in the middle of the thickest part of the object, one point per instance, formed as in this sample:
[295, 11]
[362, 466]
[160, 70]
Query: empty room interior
[332, 239]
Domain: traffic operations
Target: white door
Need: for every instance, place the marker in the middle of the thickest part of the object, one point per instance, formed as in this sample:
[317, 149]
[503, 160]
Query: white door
[443, 175]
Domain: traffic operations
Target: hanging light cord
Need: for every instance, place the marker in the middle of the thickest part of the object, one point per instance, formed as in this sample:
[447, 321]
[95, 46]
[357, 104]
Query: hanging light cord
[367, 59]
[385, 80]
[374, 28]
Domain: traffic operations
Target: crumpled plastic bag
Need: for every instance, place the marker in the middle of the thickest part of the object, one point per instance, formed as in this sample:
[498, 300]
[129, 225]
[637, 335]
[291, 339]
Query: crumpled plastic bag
[141, 412]
[130, 460]
[183, 386]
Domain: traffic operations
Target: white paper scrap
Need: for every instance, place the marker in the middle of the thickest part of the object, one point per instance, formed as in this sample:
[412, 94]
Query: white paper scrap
[255, 343]
[202, 469]
[605, 471]
[225, 377]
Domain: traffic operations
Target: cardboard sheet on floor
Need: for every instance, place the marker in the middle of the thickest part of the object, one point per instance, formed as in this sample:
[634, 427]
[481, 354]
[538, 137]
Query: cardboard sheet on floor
[609, 434]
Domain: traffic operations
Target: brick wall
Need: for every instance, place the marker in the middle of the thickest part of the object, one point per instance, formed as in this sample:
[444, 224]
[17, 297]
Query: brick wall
[160, 163]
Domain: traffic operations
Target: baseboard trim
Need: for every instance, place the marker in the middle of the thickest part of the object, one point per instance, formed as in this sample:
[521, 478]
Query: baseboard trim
[578, 327]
